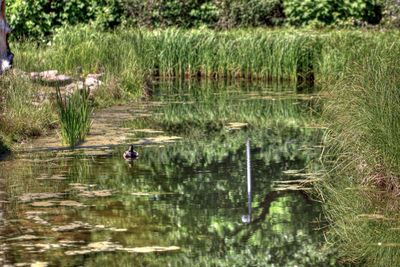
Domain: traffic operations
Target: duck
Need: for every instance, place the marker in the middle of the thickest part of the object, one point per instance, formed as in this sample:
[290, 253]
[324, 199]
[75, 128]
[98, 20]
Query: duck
[131, 153]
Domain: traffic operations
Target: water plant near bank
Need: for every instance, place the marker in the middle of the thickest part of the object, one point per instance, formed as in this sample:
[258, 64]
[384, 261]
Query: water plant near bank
[362, 182]
[73, 113]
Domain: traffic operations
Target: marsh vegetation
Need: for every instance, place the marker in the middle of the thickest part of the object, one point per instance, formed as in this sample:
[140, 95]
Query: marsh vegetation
[354, 74]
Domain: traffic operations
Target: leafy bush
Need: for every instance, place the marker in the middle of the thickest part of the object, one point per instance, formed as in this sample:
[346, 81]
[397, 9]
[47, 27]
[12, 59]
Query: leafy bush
[156, 13]
[191, 13]
[37, 18]
[252, 12]
[391, 13]
[328, 12]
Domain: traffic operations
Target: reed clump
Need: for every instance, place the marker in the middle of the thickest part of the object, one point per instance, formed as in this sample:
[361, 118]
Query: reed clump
[74, 115]
[362, 182]
[363, 111]
[132, 54]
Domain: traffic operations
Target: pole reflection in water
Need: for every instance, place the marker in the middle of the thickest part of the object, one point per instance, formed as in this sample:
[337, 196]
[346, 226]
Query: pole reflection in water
[247, 218]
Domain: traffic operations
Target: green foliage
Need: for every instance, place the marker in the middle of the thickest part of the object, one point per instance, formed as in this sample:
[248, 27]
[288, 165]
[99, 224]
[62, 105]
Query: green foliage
[362, 111]
[194, 13]
[39, 18]
[331, 12]
[391, 13]
[35, 18]
[252, 13]
[23, 115]
[73, 113]
[369, 84]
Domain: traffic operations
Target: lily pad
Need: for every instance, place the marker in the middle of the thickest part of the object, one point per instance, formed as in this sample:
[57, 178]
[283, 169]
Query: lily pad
[37, 219]
[36, 196]
[109, 246]
[48, 246]
[160, 139]
[95, 247]
[72, 226]
[39, 264]
[100, 193]
[103, 245]
[42, 204]
[53, 177]
[24, 238]
[71, 203]
[117, 229]
[141, 194]
[82, 187]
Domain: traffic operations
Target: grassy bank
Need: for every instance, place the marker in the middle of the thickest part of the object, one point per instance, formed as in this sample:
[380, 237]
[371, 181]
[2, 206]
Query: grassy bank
[361, 187]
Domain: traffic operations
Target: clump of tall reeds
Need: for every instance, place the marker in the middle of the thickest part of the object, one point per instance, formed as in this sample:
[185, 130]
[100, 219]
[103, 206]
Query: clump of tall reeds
[73, 113]
[363, 115]
[251, 54]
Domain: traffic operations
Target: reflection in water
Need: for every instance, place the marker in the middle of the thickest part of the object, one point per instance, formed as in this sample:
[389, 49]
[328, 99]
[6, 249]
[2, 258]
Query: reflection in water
[181, 199]
[247, 218]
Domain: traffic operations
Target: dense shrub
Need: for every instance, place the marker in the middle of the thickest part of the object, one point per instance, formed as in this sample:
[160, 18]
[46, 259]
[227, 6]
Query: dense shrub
[217, 13]
[391, 13]
[158, 13]
[251, 13]
[328, 12]
[36, 18]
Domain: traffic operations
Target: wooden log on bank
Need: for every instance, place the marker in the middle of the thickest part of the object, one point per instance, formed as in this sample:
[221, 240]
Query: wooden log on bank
[6, 57]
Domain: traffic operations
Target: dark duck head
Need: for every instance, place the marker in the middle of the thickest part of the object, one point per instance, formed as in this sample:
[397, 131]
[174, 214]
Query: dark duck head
[131, 153]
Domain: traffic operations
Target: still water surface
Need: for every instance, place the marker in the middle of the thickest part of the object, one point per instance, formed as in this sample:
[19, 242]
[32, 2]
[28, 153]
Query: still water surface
[213, 186]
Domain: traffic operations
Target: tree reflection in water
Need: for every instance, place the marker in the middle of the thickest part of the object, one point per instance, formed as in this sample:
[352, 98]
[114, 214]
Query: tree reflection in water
[189, 194]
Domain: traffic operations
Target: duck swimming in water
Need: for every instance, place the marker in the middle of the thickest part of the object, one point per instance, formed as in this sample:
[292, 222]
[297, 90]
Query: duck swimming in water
[131, 153]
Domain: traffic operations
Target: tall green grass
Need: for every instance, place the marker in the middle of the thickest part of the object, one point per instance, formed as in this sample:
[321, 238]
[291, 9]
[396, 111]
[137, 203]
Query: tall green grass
[73, 113]
[362, 113]
[23, 114]
[131, 54]
[363, 110]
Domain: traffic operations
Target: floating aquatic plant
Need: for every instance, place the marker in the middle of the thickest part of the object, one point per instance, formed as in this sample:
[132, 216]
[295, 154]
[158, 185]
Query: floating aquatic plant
[73, 113]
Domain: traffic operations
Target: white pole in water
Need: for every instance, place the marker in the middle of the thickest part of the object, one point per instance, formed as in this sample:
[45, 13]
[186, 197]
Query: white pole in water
[249, 179]
[248, 169]
[247, 218]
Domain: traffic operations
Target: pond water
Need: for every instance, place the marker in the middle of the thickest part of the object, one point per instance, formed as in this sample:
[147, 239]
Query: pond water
[219, 182]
